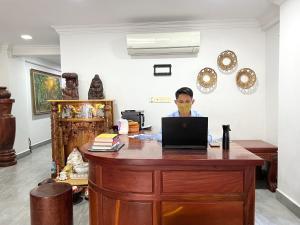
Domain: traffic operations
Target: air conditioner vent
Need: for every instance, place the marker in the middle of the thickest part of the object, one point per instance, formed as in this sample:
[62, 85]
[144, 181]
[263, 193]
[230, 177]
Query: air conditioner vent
[163, 43]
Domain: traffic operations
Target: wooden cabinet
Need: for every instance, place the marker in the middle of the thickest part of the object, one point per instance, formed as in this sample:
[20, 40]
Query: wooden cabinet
[75, 122]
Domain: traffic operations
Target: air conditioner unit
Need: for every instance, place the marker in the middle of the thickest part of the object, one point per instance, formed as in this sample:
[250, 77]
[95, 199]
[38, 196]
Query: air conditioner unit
[163, 43]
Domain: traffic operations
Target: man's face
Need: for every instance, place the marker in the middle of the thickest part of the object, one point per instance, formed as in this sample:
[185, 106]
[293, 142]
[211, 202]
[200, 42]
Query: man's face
[183, 98]
[184, 104]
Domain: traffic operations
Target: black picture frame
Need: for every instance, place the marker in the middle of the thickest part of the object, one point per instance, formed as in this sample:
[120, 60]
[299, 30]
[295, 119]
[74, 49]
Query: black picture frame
[160, 69]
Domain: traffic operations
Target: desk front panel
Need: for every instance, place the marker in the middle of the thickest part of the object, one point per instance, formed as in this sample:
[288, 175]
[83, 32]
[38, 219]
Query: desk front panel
[170, 195]
[204, 213]
[144, 185]
[131, 181]
[205, 181]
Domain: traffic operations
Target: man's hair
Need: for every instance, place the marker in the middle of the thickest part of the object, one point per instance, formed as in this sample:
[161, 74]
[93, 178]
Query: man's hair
[185, 91]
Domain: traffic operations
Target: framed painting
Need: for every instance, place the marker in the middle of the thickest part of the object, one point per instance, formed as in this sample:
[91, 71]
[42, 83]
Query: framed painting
[44, 86]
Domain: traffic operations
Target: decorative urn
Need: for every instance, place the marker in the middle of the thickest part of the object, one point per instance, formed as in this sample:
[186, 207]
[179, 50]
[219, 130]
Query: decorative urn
[7, 129]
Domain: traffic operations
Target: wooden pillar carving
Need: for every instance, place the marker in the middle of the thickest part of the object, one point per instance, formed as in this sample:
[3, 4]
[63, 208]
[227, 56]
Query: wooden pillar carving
[7, 129]
[108, 116]
[56, 154]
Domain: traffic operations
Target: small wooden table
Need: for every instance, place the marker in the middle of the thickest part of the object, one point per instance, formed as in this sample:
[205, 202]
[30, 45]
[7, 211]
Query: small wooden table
[269, 153]
[74, 182]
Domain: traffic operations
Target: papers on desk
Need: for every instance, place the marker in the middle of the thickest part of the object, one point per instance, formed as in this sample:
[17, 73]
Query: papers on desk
[155, 137]
[214, 144]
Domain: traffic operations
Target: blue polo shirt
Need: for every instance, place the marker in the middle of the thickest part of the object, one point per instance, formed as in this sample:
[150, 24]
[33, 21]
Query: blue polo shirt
[193, 114]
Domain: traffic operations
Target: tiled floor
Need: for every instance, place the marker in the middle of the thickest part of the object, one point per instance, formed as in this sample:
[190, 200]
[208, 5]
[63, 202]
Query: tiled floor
[17, 181]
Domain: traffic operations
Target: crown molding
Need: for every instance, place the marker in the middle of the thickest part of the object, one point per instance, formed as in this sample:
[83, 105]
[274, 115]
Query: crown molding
[34, 50]
[270, 23]
[159, 26]
[269, 19]
[278, 2]
[5, 49]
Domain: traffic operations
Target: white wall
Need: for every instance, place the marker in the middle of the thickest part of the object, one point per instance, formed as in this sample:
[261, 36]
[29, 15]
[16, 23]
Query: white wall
[3, 65]
[11, 76]
[130, 81]
[39, 125]
[289, 95]
[16, 76]
[17, 86]
[272, 73]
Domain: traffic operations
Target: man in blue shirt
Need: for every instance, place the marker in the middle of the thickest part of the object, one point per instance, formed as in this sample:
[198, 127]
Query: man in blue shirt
[184, 101]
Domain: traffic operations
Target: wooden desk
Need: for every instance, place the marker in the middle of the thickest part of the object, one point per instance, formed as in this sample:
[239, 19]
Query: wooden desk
[143, 185]
[269, 153]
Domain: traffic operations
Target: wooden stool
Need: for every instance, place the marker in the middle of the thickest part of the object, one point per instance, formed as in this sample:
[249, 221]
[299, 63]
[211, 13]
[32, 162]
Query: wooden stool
[51, 204]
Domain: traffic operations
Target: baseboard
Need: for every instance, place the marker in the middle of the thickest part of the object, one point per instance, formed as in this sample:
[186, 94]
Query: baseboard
[23, 154]
[41, 144]
[286, 201]
[35, 146]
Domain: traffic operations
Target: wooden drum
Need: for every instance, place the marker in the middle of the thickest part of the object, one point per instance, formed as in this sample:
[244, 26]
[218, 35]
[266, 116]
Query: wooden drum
[51, 203]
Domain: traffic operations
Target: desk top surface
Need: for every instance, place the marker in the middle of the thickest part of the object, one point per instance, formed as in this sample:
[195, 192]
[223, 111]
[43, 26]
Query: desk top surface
[256, 146]
[147, 152]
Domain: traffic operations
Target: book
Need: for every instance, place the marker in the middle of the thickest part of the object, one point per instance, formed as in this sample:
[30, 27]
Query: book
[105, 137]
[114, 148]
[101, 143]
[108, 140]
[103, 147]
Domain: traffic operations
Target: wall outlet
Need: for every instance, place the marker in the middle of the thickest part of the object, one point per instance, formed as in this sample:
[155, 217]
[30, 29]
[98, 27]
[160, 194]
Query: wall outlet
[160, 99]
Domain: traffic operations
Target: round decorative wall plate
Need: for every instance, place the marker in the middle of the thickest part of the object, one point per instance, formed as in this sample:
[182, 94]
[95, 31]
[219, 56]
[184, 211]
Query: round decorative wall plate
[245, 78]
[227, 61]
[207, 79]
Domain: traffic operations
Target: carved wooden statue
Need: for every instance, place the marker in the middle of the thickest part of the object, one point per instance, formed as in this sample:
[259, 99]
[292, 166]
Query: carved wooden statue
[96, 88]
[7, 129]
[70, 92]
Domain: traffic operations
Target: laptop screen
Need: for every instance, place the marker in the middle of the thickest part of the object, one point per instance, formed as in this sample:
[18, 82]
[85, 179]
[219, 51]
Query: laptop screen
[184, 132]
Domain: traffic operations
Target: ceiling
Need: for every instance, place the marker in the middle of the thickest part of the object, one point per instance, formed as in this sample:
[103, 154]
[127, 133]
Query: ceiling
[36, 17]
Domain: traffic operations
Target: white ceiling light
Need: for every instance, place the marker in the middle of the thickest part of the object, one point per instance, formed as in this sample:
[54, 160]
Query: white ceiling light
[26, 37]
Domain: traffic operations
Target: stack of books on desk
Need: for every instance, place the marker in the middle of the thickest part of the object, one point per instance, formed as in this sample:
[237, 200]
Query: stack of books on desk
[106, 142]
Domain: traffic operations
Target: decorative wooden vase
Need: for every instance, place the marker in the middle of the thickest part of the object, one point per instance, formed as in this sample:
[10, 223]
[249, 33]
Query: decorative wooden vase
[7, 129]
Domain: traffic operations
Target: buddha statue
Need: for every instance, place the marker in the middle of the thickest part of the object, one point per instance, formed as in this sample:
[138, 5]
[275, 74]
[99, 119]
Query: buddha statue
[96, 88]
[70, 92]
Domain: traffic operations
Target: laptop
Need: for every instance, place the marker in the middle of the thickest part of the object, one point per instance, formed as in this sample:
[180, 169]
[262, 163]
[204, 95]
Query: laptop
[184, 132]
